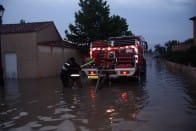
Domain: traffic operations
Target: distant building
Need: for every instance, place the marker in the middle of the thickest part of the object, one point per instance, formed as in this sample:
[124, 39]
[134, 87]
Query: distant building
[181, 47]
[33, 50]
[187, 45]
[194, 29]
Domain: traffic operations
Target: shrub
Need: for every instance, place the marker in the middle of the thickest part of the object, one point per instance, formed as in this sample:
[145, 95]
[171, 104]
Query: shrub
[178, 57]
[187, 57]
[191, 56]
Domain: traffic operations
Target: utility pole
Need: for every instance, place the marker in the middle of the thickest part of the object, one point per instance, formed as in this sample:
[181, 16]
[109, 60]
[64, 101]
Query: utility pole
[1, 64]
[2, 89]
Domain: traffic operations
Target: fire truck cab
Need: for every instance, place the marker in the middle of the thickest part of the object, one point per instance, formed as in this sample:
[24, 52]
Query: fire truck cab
[117, 57]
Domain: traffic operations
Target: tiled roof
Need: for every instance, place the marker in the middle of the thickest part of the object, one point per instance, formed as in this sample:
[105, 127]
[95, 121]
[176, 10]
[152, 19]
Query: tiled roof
[24, 28]
[58, 44]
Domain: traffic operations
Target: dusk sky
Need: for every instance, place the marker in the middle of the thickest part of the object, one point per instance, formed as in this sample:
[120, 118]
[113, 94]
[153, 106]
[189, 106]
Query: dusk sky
[156, 20]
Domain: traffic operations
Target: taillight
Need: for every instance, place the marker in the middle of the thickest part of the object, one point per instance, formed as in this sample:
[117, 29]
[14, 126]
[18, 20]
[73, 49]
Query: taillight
[125, 72]
[92, 72]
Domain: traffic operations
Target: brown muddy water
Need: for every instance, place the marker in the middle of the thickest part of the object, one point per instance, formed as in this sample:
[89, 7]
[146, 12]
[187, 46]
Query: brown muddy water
[164, 100]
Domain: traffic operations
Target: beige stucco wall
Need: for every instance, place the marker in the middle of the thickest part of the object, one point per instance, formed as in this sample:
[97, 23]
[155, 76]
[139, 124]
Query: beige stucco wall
[51, 59]
[33, 60]
[23, 45]
[48, 34]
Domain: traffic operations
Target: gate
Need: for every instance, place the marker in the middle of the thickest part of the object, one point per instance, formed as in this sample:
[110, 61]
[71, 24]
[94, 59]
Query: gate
[11, 65]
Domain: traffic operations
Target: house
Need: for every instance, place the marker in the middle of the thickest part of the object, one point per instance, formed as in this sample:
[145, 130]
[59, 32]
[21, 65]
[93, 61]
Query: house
[194, 29]
[187, 45]
[182, 46]
[33, 50]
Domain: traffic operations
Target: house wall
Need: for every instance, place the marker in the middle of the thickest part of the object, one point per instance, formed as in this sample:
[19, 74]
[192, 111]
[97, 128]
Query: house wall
[33, 60]
[52, 58]
[194, 31]
[23, 45]
[48, 34]
[181, 47]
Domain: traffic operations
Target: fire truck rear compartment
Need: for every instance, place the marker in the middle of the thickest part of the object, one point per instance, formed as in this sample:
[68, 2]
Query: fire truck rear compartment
[112, 73]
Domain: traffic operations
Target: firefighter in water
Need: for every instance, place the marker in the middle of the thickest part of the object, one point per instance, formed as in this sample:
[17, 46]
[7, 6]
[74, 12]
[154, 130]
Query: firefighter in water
[65, 73]
[75, 73]
[70, 73]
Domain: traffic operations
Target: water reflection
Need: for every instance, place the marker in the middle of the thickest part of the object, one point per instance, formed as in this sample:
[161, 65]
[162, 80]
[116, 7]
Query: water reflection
[121, 102]
[41, 104]
[26, 100]
[190, 96]
[2, 96]
[187, 84]
[161, 97]
[10, 92]
[93, 98]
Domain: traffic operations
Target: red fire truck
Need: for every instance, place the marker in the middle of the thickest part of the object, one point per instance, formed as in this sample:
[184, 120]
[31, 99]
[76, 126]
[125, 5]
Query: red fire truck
[117, 57]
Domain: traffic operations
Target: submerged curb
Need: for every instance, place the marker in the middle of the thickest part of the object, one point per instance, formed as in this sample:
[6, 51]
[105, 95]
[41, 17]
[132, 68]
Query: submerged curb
[188, 70]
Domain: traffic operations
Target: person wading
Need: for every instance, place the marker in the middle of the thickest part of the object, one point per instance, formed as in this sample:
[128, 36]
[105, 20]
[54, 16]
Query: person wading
[70, 73]
[75, 73]
[65, 73]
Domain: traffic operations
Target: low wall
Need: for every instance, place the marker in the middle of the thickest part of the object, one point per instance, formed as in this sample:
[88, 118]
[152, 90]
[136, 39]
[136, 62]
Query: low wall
[188, 70]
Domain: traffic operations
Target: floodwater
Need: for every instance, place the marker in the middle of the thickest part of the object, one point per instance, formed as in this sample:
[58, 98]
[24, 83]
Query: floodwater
[165, 100]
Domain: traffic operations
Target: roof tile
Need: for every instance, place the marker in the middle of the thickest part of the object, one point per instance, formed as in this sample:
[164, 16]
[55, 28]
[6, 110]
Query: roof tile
[58, 44]
[24, 27]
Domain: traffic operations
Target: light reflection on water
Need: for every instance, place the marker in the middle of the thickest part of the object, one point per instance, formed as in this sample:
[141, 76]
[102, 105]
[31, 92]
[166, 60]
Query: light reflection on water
[40, 104]
[161, 97]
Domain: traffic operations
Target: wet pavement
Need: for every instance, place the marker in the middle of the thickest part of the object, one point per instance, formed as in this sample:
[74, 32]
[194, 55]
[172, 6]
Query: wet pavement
[165, 100]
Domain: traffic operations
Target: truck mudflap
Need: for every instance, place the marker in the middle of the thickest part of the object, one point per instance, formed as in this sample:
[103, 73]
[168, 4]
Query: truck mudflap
[94, 73]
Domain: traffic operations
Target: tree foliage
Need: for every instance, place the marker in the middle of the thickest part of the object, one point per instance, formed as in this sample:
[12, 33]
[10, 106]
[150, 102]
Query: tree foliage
[93, 22]
[160, 49]
[184, 56]
[118, 26]
[171, 43]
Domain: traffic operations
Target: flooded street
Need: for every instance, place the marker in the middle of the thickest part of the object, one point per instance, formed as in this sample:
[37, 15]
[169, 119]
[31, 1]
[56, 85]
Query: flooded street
[164, 100]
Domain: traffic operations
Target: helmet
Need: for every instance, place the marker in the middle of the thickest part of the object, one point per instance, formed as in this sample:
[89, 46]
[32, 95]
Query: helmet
[72, 59]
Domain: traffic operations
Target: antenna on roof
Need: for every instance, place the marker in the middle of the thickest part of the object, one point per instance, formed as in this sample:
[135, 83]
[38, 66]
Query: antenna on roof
[22, 21]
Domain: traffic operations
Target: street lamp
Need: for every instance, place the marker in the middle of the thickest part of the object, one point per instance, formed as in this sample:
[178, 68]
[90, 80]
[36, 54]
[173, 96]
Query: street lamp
[1, 13]
[1, 67]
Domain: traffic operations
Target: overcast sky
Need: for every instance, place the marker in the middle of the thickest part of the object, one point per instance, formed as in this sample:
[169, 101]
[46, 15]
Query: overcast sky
[156, 20]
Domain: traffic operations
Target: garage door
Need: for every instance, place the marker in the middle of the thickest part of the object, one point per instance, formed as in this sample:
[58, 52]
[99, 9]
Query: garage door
[11, 65]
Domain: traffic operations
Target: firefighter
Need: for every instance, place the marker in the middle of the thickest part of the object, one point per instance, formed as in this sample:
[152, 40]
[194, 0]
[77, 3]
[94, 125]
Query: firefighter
[75, 73]
[65, 73]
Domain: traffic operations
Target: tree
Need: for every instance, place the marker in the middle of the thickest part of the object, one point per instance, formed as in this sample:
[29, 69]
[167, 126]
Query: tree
[118, 26]
[93, 22]
[90, 21]
[170, 43]
[160, 49]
